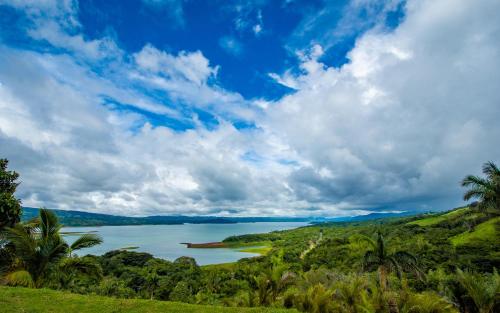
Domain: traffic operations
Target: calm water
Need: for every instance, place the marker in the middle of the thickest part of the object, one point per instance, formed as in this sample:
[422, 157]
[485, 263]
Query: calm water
[163, 241]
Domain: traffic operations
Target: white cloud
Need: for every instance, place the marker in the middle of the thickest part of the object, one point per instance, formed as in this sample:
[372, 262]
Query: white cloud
[91, 50]
[397, 127]
[231, 45]
[324, 26]
[191, 66]
[407, 118]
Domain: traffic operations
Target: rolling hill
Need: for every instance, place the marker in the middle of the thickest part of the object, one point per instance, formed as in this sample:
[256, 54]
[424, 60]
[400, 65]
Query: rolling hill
[80, 218]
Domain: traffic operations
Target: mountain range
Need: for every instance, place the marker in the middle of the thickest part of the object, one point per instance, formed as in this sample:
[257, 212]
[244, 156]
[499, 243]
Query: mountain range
[80, 218]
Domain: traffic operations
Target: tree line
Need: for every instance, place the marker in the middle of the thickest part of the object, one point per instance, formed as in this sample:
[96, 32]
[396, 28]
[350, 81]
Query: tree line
[378, 266]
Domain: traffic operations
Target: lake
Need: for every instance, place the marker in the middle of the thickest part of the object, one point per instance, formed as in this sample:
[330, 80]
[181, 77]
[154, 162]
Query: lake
[164, 241]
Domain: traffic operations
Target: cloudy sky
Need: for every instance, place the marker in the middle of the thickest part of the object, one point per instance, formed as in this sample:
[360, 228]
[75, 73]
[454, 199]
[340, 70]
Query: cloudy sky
[290, 108]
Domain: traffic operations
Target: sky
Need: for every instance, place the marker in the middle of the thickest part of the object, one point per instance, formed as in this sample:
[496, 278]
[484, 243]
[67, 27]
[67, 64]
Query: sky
[248, 108]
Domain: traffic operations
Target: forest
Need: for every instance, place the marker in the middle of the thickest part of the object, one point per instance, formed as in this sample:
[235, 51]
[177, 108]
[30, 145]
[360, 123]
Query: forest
[439, 262]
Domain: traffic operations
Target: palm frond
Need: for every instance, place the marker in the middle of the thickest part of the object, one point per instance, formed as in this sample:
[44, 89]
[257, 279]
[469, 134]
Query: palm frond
[491, 170]
[49, 223]
[24, 242]
[405, 257]
[55, 249]
[86, 241]
[394, 265]
[475, 192]
[370, 259]
[480, 288]
[409, 263]
[81, 265]
[474, 181]
[363, 238]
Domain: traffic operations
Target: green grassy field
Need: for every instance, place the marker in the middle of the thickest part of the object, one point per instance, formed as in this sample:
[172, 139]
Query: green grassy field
[484, 231]
[263, 250]
[433, 220]
[15, 300]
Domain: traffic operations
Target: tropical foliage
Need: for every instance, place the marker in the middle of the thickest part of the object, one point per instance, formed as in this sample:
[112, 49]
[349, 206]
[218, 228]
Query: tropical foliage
[434, 263]
[40, 255]
[486, 190]
[385, 262]
[10, 207]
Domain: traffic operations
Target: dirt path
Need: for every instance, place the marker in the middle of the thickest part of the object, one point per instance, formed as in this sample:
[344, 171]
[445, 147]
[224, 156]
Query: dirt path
[312, 245]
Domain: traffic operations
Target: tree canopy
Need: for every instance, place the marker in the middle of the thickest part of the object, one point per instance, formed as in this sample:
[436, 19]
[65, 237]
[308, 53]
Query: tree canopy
[10, 206]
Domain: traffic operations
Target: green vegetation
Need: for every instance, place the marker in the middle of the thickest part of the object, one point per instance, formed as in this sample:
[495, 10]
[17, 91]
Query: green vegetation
[385, 262]
[442, 263]
[262, 250]
[14, 300]
[486, 190]
[79, 218]
[482, 290]
[38, 251]
[10, 206]
[487, 231]
[438, 218]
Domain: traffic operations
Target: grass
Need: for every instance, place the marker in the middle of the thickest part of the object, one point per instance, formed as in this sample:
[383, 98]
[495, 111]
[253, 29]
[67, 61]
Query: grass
[429, 221]
[263, 250]
[488, 230]
[252, 244]
[15, 300]
[221, 266]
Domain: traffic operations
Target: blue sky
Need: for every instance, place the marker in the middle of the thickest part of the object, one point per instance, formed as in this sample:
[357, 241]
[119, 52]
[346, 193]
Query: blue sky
[247, 107]
[230, 34]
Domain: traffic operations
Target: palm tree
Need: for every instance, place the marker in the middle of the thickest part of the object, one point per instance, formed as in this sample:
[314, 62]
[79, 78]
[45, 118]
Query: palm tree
[39, 249]
[385, 262]
[152, 282]
[352, 295]
[486, 190]
[483, 290]
[273, 280]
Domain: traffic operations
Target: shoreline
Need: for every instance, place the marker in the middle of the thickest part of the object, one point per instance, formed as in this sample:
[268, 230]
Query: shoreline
[206, 245]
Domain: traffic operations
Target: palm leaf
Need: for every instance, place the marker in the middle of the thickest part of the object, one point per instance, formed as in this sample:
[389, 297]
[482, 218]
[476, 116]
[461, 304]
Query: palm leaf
[362, 238]
[49, 224]
[474, 181]
[24, 243]
[81, 265]
[370, 259]
[86, 241]
[476, 192]
[491, 170]
[481, 289]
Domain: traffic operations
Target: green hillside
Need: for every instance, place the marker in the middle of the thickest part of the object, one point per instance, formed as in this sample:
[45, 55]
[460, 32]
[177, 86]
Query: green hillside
[15, 300]
[302, 269]
[487, 232]
[438, 218]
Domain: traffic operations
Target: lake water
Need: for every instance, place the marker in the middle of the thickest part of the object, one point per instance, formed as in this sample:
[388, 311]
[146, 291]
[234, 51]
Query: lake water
[163, 241]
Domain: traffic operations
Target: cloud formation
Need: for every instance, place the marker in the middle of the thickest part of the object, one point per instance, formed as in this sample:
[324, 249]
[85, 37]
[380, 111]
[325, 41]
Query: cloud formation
[414, 110]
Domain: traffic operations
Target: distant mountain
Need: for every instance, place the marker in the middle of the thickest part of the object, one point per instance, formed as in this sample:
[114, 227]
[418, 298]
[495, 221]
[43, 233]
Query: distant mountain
[79, 218]
[371, 216]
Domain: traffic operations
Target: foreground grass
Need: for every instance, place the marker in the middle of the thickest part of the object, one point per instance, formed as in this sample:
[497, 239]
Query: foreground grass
[433, 220]
[15, 299]
[486, 231]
